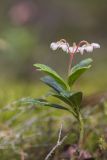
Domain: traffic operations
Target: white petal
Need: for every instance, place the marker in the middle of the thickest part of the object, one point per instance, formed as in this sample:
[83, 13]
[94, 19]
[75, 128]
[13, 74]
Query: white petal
[71, 49]
[59, 44]
[81, 49]
[88, 48]
[53, 46]
[95, 45]
[76, 50]
[64, 47]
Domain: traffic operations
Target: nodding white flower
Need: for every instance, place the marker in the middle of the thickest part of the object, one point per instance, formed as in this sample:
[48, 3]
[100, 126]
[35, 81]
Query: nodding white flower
[81, 50]
[95, 45]
[54, 46]
[85, 48]
[88, 48]
[64, 47]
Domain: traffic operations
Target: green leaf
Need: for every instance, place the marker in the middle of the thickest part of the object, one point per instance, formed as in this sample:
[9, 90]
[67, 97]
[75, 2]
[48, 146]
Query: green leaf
[58, 106]
[53, 74]
[73, 99]
[53, 84]
[40, 102]
[78, 70]
[76, 98]
[62, 98]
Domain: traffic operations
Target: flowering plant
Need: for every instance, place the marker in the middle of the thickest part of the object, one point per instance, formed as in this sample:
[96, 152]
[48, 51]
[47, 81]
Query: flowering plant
[61, 89]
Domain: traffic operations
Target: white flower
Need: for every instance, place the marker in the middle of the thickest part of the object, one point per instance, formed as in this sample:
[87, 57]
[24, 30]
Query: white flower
[95, 45]
[64, 47]
[81, 50]
[53, 46]
[88, 48]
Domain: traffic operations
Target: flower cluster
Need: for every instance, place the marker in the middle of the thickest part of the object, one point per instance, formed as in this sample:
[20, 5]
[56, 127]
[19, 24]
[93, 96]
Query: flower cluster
[82, 47]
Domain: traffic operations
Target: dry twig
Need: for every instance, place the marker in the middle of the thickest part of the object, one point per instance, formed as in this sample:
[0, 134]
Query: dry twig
[59, 142]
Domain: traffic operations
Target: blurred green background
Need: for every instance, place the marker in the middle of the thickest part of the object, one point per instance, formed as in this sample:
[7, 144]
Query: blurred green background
[27, 27]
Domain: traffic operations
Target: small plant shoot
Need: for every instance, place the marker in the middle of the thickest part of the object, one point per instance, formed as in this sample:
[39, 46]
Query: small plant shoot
[62, 88]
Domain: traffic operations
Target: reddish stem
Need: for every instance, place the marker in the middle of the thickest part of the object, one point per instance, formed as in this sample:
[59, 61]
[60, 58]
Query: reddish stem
[80, 43]
[70, 61]
[73, 52]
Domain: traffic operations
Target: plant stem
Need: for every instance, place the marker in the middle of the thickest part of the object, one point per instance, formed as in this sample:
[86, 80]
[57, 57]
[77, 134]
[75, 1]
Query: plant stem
[81, 123]
[73, 52]
[70, 62]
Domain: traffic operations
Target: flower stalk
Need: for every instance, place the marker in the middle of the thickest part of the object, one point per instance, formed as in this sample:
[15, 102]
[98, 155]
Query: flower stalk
[81, 123]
